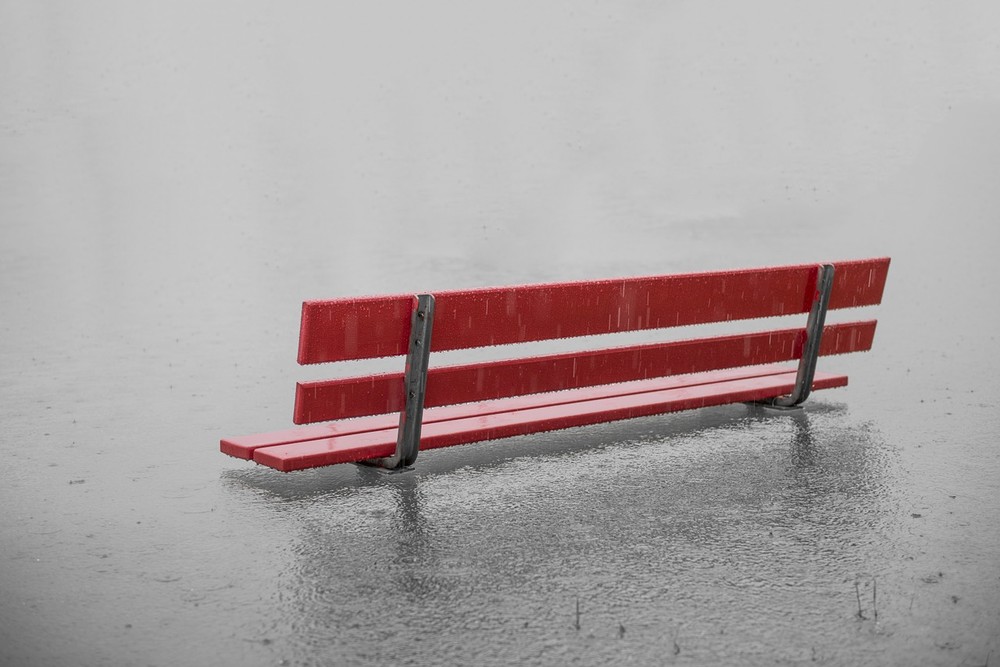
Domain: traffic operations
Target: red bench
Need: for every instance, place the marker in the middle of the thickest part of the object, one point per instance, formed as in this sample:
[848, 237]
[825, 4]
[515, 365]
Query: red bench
[381, 419]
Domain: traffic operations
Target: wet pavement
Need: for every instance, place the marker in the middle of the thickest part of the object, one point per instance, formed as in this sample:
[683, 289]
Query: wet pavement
[175, 181]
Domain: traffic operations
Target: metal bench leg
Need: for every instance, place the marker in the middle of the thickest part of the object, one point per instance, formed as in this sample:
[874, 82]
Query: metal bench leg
[810, 351]
[414, 388]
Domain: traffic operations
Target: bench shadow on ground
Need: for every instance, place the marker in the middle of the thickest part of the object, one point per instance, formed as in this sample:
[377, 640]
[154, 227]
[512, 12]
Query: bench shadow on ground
[315, 482]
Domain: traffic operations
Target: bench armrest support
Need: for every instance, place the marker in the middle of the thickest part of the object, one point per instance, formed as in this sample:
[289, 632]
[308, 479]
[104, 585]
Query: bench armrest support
[814, 335]
[414, 387]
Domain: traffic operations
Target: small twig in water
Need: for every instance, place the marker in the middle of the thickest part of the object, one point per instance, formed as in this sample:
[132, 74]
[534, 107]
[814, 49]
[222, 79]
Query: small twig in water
[857, 592]
[875, 597]
[577, 623]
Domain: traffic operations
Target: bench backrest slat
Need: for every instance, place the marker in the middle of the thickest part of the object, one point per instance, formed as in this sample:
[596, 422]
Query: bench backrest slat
[377, 394]
[363, 328]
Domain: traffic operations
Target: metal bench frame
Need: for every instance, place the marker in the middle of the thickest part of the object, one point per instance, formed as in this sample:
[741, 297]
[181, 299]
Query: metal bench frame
[418, 357]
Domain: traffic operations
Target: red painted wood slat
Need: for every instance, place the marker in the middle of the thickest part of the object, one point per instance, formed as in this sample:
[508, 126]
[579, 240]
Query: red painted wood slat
[372, 444]
[377, 326]
[344, 398]
[244, 446]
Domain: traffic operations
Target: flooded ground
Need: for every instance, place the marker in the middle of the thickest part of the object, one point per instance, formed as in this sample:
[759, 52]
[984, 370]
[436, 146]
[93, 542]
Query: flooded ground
[175, 179]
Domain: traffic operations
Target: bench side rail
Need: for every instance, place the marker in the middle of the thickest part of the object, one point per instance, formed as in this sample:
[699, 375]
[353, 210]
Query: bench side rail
[364, 328]
[344, 398]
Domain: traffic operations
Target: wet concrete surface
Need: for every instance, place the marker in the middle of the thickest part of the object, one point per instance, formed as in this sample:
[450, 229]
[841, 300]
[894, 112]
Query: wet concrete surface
[175, 181]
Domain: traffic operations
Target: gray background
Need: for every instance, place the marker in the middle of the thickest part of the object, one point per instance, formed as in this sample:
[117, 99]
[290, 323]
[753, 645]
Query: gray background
[176, 178]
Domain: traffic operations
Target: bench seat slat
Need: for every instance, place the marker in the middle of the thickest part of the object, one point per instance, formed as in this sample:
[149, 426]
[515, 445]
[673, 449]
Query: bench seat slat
[342, 329]
[346, 398]
[244, 446]
[443, 433]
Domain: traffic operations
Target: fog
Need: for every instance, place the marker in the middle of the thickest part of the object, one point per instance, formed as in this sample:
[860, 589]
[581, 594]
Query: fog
[176, 178]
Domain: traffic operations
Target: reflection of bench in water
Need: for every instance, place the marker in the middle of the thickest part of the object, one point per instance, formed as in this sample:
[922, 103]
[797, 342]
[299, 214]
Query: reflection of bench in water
[381, 419]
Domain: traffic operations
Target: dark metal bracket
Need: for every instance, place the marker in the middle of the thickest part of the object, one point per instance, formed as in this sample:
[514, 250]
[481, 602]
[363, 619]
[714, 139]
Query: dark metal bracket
[414, 388]
[810, 350]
